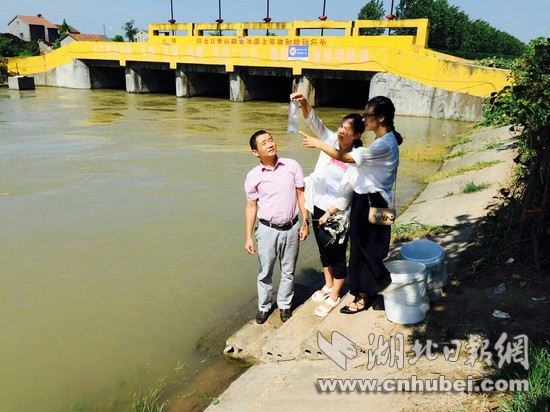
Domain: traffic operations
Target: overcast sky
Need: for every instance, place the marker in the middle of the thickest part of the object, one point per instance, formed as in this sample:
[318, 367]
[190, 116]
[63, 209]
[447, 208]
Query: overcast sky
[525, 19]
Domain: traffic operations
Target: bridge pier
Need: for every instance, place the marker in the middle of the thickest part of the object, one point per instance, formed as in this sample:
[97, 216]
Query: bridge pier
[327, 87]
[201, 80]
[149, 78]
[260, 83]
[237, 88]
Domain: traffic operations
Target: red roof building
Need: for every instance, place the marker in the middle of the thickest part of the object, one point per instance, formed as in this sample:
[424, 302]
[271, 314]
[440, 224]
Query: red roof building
[69, 38]
[33, 28]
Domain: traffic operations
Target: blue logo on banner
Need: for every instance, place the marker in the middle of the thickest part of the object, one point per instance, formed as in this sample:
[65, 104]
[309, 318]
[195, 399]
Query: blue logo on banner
[298, 52]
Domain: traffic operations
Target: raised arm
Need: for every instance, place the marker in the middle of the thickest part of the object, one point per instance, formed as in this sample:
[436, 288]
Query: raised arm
[304, 104]
[313, 121]
[313, 143]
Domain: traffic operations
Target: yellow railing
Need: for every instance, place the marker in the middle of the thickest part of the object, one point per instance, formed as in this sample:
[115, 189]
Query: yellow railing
[293, 28]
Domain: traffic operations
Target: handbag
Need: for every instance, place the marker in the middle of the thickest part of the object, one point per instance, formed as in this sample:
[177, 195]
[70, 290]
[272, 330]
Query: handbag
[335, 229]
[382, 215]
[325, 238]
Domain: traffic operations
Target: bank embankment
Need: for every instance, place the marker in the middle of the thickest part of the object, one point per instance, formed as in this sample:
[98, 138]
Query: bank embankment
[288, 363]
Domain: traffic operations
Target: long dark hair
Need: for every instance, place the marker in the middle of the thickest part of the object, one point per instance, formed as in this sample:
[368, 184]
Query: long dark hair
[383, 106]
[358, 127]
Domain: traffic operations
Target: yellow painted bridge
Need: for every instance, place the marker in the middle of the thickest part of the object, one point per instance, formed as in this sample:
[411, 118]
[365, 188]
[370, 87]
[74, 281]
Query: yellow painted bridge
[310, 52]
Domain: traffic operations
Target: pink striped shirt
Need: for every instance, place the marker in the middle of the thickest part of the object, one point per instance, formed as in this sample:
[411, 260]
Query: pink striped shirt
[275, 190]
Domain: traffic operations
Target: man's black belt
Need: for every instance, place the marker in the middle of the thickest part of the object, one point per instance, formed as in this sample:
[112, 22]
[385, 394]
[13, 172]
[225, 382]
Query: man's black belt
[279, 226]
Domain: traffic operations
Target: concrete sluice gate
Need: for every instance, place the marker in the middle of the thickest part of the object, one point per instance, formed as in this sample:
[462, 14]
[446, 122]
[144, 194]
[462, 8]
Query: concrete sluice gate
[333, 63]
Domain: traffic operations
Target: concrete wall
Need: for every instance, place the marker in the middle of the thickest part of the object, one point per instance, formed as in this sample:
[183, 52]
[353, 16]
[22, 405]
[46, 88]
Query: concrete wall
[416, 99]
[74, 75]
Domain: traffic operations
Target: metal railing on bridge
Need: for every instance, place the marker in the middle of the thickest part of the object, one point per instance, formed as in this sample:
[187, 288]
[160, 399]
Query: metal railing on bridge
[159, 32]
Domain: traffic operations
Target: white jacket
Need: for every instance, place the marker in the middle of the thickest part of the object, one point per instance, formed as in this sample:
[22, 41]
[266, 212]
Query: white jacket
[316, 182]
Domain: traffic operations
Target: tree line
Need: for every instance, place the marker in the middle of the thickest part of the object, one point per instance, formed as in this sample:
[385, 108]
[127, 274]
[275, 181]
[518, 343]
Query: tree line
[451, 30]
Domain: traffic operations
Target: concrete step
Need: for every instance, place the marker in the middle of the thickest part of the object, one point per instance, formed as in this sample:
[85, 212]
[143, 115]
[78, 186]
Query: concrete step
[285, 343]
[249, 341]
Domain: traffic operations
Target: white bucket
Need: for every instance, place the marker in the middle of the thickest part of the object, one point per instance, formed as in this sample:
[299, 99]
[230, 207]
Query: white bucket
[433, 256]
[405, 299]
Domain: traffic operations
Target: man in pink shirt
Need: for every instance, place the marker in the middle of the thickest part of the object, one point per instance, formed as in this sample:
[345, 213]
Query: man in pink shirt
[274, 193]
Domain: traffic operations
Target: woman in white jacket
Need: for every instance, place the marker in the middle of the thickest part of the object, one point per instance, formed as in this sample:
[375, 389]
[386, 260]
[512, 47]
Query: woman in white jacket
[371, 177]
[322, 191]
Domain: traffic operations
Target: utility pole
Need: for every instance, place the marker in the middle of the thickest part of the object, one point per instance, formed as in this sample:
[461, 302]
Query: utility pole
[323, 17]
[390, 17]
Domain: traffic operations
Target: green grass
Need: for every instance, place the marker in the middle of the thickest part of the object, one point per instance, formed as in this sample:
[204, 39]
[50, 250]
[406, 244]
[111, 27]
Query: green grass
[416, 230]
[462, 152]
[538, 376]
[493, 146]
[150, 401]
[210, 399]
[434, 177]
[471, 187]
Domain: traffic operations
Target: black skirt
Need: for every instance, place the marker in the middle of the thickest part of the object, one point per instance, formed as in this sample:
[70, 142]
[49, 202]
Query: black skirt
[369, 246]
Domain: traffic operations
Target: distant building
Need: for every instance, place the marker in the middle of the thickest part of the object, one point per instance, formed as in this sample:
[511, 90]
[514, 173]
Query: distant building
[33, 28]
[141, 36]
[69, 38]
[71, 29]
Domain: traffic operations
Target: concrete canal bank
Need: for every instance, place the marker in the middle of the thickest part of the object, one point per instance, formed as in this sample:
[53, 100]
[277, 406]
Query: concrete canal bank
[290, 370]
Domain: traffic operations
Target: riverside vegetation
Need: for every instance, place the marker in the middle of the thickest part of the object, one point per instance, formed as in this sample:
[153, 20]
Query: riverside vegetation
[517, 229]
[520, 226]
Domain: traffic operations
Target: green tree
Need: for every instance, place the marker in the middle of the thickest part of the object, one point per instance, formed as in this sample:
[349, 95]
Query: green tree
[11, 46]
[63, 29]
[130, 30]
[4, 73]
[448, 25]
[7, 47]
[30, 49]
[452, 31]
[373, 10]
[118, 38]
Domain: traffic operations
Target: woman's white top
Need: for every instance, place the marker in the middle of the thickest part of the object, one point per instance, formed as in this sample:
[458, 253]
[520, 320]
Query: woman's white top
[374, 170]
[323, 185]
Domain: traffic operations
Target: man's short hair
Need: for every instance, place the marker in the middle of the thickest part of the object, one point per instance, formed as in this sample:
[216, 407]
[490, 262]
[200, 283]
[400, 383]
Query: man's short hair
[253, 142]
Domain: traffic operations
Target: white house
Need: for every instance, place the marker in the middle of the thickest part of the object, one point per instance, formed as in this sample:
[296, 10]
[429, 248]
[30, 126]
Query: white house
[141, 36]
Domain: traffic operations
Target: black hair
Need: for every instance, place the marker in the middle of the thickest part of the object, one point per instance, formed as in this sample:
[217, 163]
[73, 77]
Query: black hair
[253, 142]
[358, 127]
[383, 106]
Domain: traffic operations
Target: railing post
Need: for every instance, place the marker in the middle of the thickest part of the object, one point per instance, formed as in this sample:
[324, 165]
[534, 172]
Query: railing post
[421, 38]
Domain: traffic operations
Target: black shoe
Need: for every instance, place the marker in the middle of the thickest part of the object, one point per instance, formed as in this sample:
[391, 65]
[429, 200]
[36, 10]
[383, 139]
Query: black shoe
[285, 314]
[261, 317]
[360, 305]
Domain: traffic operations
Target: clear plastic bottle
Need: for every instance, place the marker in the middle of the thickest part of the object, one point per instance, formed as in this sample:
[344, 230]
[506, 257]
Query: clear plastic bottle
[293, 109]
